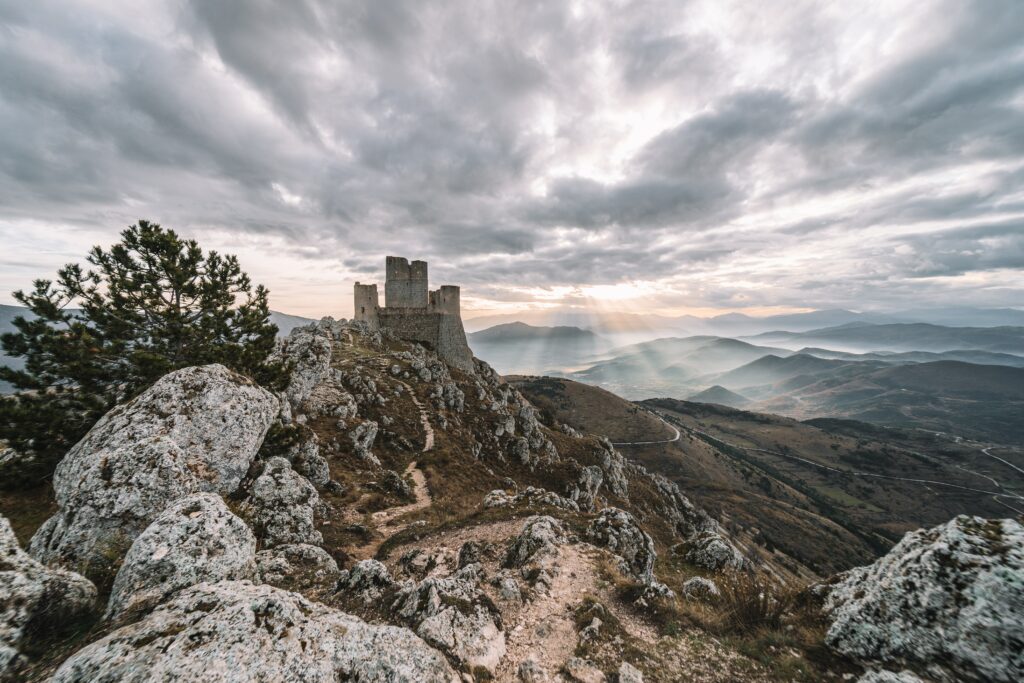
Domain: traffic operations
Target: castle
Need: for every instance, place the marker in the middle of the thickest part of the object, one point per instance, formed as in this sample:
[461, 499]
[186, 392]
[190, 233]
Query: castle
[413, 313]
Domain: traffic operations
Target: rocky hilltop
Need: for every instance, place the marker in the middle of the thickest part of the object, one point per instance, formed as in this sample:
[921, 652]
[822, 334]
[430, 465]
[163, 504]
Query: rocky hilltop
[389, 517]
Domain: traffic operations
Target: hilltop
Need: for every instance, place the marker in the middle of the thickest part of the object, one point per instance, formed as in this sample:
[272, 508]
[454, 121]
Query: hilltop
[391, 517]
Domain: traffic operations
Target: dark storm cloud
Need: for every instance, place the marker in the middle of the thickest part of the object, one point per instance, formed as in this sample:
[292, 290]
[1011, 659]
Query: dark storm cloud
[696, 145]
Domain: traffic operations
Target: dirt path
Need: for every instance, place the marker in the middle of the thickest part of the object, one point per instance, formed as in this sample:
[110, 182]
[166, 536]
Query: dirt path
[421, 499]
[544, 629]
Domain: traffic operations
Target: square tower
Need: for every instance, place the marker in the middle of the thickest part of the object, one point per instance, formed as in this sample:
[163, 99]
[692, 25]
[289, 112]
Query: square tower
[405, 285]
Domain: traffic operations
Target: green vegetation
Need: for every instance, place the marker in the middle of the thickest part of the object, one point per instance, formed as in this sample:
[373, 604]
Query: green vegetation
[151, 304]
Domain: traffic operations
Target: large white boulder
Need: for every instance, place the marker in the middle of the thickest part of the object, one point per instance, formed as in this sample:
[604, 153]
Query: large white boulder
[196, 429]
[34, 599]
[949, 601]
[196, 539]
[237, 632]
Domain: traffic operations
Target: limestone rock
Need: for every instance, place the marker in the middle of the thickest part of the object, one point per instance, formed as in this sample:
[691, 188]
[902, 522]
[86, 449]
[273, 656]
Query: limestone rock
[583, 671]
[498, 499]
[889, 677]
[308, 348]
[196, 429]
[236, 632]
[530, 671]
[711, 551]
[196, 539]
[947, 600]
[584, 491]
[297, 567]
[363, 437]
[306, 460]
[367, 580]
[529, 497]
[616, 530]
[34, 598]
[541, 535]
[629, 674]
[281, 506]
[454, 615]
[699, 588]
[614, 467]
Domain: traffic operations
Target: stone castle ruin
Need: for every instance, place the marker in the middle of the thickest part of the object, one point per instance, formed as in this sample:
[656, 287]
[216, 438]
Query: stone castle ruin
[413, 313]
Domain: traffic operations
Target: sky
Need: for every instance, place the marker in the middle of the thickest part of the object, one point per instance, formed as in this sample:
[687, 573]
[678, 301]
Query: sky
[668, 157]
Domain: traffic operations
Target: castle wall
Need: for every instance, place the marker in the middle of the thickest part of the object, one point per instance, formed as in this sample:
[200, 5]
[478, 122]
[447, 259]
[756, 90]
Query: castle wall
[446, 300]
[406, 284]
[439, 331]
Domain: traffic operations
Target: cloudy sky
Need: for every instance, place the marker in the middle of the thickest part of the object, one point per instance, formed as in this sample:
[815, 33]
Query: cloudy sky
[673, 156]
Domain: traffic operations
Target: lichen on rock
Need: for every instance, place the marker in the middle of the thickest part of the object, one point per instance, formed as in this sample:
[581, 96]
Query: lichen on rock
[947, 601]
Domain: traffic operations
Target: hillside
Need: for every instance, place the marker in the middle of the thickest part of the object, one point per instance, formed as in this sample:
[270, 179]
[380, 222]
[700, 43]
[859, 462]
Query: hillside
[391, 519]
[983, 402]
[789, 501]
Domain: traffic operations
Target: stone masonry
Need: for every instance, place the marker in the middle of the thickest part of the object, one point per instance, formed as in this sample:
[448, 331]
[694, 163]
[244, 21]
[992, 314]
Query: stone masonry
[413, 313]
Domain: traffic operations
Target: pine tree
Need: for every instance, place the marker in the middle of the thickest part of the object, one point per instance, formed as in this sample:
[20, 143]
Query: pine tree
[151, 304]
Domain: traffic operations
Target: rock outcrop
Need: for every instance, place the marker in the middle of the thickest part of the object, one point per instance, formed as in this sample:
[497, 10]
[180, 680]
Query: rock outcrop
[541, 536]
[196, 539]
[711, 551]
[618, 531]
[946, 601]
[281, 506]
[231, 632]
[34, 600]
[455, 616]
[196, 429]
[297, 567]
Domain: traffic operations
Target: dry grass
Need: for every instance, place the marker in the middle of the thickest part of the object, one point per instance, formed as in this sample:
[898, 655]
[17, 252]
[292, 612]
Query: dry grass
[750, 602]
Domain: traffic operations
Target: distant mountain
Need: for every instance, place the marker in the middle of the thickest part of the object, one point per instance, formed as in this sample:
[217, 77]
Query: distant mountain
[904, 337]
[519, 332]
[671, 365]
[721, 396]
[286, 323]
[966, 356]
[964, 316]
[519, 348]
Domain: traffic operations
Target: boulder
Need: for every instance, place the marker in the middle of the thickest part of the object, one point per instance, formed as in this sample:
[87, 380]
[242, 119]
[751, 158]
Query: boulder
[368, 580]
[281, 506]
[237, 632]
[629, 674]
[34, 600]
[297, 567]
[455, 616]
[947, 601]
[889, 677]
[617, 531]
[362, 438]
[699, 588]
[583, 671]
[710, 551]
[541, 536]
[196, 539]
[196, 429]
[306, 460]
[308, 349]
[584, 491]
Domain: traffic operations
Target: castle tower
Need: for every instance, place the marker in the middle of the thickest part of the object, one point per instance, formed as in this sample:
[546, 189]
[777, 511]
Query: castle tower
[405, 285]
[367, 305]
